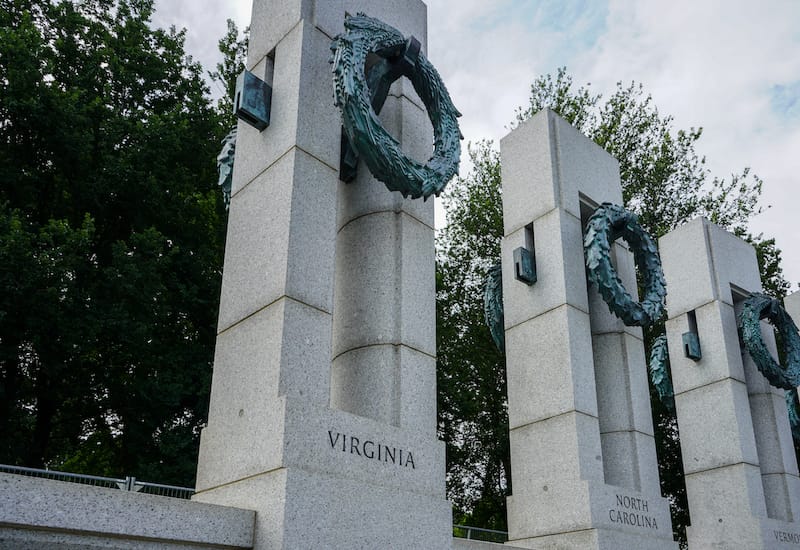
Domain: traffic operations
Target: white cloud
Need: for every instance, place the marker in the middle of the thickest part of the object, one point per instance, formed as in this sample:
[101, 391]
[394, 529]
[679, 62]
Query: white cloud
[710, 64]
[716, 65]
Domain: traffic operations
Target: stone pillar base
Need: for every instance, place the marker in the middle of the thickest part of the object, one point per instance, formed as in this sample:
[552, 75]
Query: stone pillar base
[329, 471]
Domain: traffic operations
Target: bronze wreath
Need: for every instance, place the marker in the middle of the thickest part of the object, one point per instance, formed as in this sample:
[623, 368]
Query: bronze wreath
[761, 306]
[608, 223]
[381, 152]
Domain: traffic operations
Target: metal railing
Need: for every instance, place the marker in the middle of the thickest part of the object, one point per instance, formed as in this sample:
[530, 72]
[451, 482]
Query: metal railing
[478, 533]
[126, 484]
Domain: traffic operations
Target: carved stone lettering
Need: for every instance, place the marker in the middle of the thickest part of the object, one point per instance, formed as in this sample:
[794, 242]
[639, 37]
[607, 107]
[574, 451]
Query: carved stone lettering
[632, 511]
[783, 536]
[372, 450]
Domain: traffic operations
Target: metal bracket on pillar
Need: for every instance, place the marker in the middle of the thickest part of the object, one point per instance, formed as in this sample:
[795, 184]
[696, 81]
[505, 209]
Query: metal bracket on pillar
[394, 63]
[691, 346]
[524, 266]
[252, 100]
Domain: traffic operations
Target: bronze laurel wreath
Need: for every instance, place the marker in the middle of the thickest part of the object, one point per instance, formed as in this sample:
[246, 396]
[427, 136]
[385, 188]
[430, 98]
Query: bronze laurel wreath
[380, 151]
[760, 306]
[608, 223]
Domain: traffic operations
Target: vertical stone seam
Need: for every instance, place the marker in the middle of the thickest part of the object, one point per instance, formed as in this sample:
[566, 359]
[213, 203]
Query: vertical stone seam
[554, 142]
[637, 466]
[713, 275]
[398, 320]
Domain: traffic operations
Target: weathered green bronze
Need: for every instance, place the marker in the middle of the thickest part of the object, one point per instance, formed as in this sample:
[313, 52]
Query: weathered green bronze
[608, 223]
[225, 161]
[659, 375]
[352, 93]
[691, 346]
[379, 79]
[794, 412]
[252, 100]
[524, 266]
[761, 306]
[493, 306]
[754, 309]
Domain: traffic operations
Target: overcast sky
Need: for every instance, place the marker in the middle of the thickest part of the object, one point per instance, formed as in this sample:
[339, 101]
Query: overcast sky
[731, 67]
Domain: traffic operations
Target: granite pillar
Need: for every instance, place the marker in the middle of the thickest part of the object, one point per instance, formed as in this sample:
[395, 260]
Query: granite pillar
[583, 461]
[741, 472]
[322, 415]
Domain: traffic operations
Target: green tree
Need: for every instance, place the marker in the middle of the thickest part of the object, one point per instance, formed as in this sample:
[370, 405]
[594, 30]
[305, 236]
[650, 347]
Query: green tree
[111, 237]
[234, 51]
[473, 419]
[664, 181]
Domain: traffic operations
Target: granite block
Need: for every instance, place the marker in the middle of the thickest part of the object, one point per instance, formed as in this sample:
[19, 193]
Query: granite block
[583, 168]
[719, 342]
[776, 497]
[347, 446]
[270, 23]
[364, 382]
[312, 237]
[256, 151]
[629, 461]
[392, 384]
[256, 451]
[561, 275]
[578, 506]
[273, 226]
[299, 61]
[418, 388]
[735, 263]
[255, 265]
[550, 368]
[685, 258]
[385, 292]
[711, 494]
[562, 448]
[623, 397]
[319, 120]
[701, 261]
[329, 16]
[287, 353]
[528, 193]
[773, 434]
[716, 426]
[73, 510]
[314, 504]
[566, 504]
[568, 165]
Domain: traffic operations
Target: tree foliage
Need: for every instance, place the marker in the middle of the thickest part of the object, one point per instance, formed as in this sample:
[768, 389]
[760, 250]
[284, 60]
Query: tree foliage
[664, 181]
[234, 51]
[473, 419]
[111, 232]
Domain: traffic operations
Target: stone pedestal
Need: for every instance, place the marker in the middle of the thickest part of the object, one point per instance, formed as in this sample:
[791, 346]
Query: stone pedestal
[741, 472]
[583, 459]
[323, 403]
